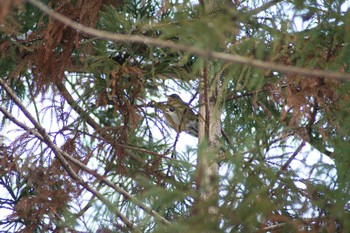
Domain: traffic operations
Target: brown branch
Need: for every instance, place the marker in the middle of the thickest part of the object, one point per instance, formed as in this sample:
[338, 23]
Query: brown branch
[205, 53]
[291, 158]
[63, 157]
[116, 188]
[67, 96]
[70, 100]
[14, 120]
[66, 157]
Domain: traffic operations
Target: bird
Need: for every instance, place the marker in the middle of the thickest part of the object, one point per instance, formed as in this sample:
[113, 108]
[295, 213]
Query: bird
[180, 116]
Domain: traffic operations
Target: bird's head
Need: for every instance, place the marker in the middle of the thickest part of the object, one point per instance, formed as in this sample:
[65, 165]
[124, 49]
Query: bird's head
[175, 100]
[173, 97]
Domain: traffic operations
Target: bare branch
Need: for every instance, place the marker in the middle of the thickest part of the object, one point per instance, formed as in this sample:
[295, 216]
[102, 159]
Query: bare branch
[291, 158]
[210, 54]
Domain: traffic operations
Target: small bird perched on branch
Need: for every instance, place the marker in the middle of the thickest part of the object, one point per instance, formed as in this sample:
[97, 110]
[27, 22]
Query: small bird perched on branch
[180, 116]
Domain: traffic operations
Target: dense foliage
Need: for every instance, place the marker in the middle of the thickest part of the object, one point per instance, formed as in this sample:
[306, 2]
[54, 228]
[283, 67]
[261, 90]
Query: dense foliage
[85, 147]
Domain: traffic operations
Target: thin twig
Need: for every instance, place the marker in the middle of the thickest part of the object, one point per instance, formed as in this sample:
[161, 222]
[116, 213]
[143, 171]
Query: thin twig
[205, 53]
[234, 96]
[274, 227]
[292, 157]
[260, 8]
[173, 153]
[286, 164]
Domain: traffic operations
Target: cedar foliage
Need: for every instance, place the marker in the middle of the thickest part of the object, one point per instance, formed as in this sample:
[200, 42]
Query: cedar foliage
[93, 98]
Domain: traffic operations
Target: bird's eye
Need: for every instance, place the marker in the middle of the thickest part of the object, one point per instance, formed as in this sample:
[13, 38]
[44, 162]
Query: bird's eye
[172, 109]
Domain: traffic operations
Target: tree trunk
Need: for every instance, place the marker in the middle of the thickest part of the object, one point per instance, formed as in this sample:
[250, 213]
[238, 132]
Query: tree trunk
[208, 152]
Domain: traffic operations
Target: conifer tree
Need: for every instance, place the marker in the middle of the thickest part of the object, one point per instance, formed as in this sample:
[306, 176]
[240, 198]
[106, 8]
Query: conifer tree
[84, 142]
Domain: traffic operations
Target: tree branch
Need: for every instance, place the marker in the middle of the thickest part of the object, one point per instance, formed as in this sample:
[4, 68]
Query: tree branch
[20, 124]
[207, 53]
[70, 100]
[66, 157]
[62, 156]
[260, 8]
[291, 158]
[116, 188]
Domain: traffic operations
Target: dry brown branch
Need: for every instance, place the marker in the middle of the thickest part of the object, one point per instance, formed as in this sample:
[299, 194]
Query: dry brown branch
[20, 124]
[67, 96]
[63, 157]
[210, 54]
[116, 188]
